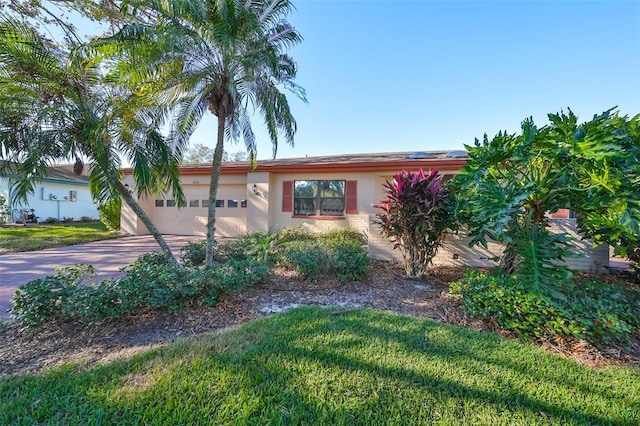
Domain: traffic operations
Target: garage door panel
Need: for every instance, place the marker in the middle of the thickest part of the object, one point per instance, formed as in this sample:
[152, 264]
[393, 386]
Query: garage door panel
[192, 219]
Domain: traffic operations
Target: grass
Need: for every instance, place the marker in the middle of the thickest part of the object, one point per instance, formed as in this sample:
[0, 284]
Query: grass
[309, 366]
[38, 237]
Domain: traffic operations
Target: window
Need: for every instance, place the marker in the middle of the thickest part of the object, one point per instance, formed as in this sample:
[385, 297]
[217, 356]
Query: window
[319, 197]
[219, 203]
[159, 203]
[243, 204]
[171, 203]
[194, 203]
[205, 203]
[232, 203]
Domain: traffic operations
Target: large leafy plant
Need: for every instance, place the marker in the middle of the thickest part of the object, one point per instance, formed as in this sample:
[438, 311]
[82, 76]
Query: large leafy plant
[511, 183]
[415, 217]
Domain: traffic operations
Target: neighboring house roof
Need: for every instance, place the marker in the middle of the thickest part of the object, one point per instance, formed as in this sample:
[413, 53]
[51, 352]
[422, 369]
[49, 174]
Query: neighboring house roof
[62, 173]
[387, 161]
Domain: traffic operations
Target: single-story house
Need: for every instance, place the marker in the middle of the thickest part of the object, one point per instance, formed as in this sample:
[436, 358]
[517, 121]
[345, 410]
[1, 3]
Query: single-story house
[61, 194]
[317, 193]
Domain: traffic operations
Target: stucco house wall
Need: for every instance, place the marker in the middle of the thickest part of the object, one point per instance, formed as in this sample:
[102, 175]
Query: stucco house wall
[253, 200]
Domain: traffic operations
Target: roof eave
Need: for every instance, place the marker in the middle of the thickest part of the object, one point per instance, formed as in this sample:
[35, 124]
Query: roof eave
[448, 164]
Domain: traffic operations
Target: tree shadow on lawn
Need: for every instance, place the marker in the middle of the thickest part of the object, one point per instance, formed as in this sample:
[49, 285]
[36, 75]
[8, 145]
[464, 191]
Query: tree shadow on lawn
[313, 365]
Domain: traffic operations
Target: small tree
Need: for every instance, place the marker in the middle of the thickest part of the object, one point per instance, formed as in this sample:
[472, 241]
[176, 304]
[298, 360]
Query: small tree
[511, 182]
[415, 217]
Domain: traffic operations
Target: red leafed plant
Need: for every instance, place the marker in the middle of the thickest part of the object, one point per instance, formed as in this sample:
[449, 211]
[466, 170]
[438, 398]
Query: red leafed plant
[415, 217]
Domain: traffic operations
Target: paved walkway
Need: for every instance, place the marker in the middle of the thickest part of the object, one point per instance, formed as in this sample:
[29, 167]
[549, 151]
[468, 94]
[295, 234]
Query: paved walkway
[106, 256]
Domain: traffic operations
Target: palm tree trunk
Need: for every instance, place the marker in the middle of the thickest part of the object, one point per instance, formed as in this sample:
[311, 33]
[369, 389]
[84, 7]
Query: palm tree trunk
[213, 188]
[131, 202]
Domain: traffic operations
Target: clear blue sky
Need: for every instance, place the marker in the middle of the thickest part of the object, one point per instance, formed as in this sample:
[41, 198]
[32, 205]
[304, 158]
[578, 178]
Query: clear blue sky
[430, 75]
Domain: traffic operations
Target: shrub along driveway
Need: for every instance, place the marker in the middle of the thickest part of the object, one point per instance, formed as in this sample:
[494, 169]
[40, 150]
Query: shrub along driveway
[106, 256]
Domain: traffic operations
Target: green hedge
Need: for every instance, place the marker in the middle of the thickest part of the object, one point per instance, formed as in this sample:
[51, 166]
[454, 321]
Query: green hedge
[587, 308]
[151, 281]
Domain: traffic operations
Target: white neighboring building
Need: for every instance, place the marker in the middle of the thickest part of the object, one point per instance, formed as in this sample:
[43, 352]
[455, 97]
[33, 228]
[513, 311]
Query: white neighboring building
[61, 194]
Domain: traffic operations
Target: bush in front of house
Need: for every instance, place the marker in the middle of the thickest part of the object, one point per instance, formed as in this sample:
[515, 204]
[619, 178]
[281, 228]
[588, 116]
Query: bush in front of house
[151, 281]
[344, 257]
[348, 233]
[589, 309]
[311, 255]
[110, 213]
[193, 253]
[415, 216]
[252, 245]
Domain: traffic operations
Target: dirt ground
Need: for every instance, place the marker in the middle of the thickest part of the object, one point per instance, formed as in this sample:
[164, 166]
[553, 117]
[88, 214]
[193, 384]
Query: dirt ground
[33, 351]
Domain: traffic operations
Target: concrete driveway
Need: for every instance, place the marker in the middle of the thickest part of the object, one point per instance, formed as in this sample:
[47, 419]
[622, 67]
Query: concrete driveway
[106, 256]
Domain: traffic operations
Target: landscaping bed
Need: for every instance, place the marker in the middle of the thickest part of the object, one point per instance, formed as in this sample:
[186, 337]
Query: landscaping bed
[386, 289]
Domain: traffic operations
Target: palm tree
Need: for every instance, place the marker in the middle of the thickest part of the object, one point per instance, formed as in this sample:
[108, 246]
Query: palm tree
[56, 106]
[226, 57]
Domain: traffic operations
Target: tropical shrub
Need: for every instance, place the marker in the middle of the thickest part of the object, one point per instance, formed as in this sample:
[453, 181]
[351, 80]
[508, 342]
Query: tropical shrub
[346, 233]
[511, 182]
[415, 217]
[292, 234]
[251, 245]
[587, 308]
[110, 213]
[50, 220]
[43, 299]
[193, 253]
[152, 281]
[310, 255]
[311, 259]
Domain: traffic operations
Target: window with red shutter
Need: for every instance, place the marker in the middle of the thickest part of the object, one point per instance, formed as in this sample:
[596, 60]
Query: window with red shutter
[320, 198]
[287, 196]
[351, 197]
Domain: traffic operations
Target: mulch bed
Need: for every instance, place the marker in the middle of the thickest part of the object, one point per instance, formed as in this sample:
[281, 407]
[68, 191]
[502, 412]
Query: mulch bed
[33, 351]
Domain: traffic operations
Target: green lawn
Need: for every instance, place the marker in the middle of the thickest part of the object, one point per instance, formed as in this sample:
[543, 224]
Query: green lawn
[37, 237]
[308, 366]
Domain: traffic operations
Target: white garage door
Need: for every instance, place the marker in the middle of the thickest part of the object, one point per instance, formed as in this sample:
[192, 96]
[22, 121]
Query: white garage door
[231, 212]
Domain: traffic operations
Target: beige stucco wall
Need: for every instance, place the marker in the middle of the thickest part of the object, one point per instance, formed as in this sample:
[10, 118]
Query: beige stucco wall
[455, 250]
[360, 221]
[258, 201]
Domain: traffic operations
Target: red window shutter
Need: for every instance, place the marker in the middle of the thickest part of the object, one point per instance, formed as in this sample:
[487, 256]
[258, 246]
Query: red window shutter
[351, 197]
[287, 196]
